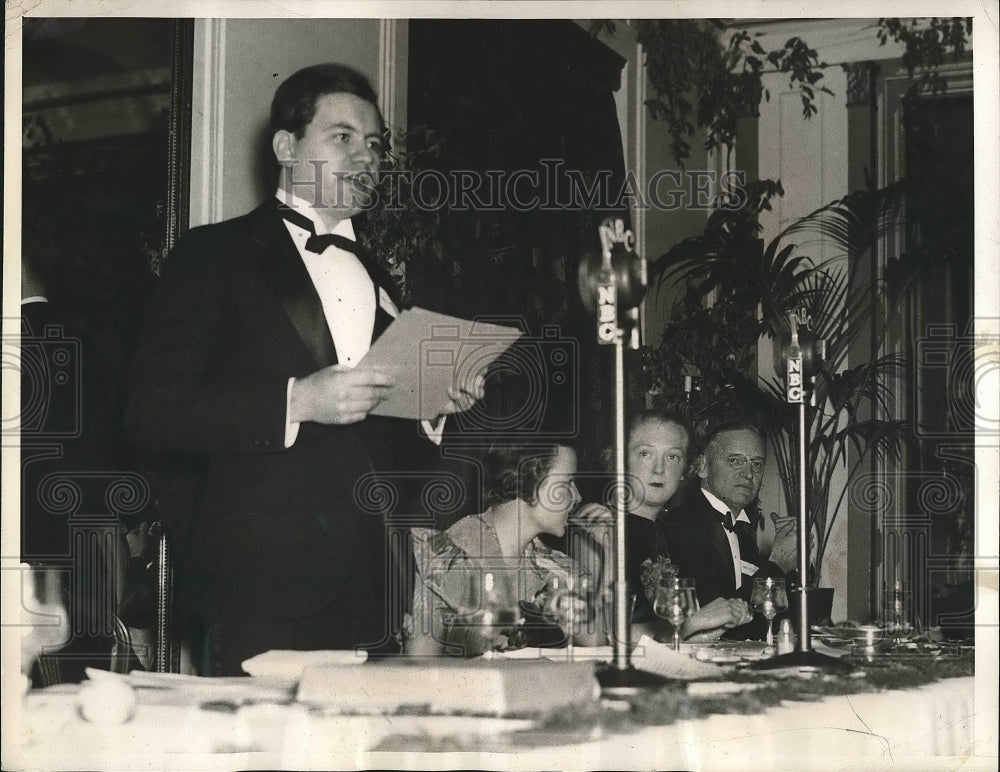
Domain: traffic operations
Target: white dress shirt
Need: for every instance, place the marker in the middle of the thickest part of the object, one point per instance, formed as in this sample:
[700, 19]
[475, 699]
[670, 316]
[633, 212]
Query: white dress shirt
[347, 295]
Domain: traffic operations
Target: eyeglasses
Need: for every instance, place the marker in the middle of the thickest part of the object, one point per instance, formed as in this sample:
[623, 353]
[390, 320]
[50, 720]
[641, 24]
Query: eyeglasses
[739, 462]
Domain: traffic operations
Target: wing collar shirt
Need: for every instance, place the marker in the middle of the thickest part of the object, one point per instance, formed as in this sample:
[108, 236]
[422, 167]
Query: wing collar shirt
[734, 544]
[346, 293]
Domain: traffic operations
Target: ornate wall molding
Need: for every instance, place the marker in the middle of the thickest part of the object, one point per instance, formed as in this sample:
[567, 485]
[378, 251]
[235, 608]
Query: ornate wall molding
[387, 70]
[392, 72]
[208, 121]
[179, 136]
[859, 82]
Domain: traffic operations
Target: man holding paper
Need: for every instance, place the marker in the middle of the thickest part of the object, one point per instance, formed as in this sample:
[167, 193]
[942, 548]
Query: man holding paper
[249, 359]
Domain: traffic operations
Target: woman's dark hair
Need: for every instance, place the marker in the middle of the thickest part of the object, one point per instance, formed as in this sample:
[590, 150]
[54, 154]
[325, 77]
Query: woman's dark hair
[294, 103]
[516, 471]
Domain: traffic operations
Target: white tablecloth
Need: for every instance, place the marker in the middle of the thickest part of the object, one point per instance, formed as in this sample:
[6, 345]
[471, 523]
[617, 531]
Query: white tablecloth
[939, 726]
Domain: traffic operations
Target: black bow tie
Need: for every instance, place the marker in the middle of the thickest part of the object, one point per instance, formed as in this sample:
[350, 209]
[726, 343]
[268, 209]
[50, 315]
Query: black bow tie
[726, 520]
[319, 243]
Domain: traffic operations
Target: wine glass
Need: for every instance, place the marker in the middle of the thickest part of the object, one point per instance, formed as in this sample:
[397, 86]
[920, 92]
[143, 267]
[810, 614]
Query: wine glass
[675, 601]
[569, 601]
[769, 598]
[898, 610]
[484, 620]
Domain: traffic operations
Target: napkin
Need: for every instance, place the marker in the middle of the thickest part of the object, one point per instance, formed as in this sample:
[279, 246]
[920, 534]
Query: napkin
[183, 689]
[661, 659]
[601, 653]
[288, 665]
[647, 655]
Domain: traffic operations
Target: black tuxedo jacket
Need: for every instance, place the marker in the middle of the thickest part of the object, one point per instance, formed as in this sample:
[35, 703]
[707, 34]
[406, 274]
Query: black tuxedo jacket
[697, 544]
[268, 532]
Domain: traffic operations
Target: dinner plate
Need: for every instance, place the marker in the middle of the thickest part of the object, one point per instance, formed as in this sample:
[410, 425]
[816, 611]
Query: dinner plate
[902, 654]
[845, 633]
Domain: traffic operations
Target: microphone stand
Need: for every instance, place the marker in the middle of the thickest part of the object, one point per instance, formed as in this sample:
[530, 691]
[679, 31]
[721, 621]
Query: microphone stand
[804, 656]
[613, 287]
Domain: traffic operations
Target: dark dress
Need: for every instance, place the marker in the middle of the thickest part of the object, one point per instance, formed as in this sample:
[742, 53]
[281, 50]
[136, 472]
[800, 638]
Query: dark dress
[641, 543]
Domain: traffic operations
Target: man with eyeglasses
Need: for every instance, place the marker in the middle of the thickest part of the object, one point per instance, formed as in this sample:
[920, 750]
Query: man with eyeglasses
[711, 536]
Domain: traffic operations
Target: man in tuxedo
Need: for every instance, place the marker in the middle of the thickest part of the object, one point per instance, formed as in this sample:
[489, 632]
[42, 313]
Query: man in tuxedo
[248, 360]
[711, 536]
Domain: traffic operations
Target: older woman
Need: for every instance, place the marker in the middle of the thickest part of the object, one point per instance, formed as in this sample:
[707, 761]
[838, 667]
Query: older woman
[493, 560]
[660, 448]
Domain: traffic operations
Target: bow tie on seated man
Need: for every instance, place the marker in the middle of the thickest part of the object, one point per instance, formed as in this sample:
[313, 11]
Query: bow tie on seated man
[712, 536]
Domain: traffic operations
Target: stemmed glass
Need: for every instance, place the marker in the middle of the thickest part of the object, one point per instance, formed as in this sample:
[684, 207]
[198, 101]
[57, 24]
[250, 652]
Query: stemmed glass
[675, 601]
[569, 601]
[898, 616]
[769, 598]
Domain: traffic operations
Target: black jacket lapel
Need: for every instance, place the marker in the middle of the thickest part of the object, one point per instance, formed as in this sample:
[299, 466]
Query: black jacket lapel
[287, 275]
[721, 543]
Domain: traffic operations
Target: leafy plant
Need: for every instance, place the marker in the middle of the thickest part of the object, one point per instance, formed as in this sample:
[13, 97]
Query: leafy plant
[927, 42]
[397, 228]
[740, 290]
[707, 76]
[703, 78]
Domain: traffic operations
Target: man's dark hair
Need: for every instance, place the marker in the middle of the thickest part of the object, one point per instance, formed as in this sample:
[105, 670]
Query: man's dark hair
[294, 103]
[738, 425]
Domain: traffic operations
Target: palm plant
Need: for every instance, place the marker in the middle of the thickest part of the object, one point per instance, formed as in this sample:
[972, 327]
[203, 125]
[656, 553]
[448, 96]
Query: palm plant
[740, 290]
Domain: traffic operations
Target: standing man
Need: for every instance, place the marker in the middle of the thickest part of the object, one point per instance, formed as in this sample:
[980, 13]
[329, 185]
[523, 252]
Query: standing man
[248, 360]
[710, 536]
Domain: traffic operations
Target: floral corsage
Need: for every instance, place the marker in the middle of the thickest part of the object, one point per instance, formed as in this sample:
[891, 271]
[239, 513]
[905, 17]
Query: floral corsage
[654, 572]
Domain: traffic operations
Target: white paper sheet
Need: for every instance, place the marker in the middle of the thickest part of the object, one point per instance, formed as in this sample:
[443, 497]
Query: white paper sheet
[428, 353]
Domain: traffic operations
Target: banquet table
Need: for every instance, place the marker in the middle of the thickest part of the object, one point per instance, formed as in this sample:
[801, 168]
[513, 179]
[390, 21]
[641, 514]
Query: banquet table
[934, 726]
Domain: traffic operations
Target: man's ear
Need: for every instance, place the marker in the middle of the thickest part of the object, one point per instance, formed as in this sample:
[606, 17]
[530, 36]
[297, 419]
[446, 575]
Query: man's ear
[283, 145]
[700, 467]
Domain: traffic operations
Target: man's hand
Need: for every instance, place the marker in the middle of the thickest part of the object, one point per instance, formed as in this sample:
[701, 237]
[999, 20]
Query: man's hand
[143, 540]
[712, 619]
[725, 613]
[338, 394]
[463, 397]
[785, 552]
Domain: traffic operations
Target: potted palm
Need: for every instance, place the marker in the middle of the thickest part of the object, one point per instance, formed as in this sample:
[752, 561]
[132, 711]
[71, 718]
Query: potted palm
[740, 291]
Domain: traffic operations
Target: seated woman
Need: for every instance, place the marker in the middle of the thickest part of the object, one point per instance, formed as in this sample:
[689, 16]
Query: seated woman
[493, 560]
[659, 449]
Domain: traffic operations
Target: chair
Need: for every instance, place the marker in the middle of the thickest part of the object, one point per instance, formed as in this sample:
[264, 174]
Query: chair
[168, 644]
[163, 642]
[121, 653]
